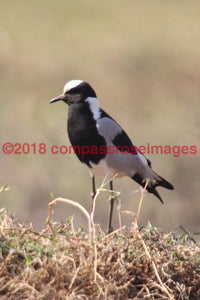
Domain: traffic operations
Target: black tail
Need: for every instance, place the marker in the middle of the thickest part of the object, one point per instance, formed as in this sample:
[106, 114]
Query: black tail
[153, 183]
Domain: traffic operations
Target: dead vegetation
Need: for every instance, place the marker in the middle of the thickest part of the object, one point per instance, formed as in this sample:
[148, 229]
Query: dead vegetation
[127, 264]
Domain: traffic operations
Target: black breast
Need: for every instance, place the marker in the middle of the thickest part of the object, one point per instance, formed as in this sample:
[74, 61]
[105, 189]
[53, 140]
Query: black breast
[83, 134]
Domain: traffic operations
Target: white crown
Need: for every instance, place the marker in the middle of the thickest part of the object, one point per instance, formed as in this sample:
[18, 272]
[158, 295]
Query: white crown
[71, 84]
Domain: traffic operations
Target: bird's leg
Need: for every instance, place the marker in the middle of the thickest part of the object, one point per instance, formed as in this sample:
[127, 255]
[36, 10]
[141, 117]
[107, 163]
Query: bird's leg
[112, 199]
[93, 194]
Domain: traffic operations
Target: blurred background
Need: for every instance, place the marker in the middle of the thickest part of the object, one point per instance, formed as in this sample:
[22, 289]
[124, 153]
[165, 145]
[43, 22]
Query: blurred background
[143, 60]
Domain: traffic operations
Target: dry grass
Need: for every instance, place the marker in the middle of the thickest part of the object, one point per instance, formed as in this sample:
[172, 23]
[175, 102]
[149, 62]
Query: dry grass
[134, 264]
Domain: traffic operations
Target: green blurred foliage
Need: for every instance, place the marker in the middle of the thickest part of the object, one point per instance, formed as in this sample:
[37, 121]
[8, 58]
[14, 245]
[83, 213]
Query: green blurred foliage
[143, 60]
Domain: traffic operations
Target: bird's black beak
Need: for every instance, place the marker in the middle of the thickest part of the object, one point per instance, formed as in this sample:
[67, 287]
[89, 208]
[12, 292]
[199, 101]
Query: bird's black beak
[59, 98]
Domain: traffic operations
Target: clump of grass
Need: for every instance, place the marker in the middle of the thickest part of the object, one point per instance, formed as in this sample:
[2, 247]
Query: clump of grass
[64, 262]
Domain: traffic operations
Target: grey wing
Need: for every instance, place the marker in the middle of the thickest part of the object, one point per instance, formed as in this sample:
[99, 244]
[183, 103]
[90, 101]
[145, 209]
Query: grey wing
[112, 131]
[124, 163]
[108, 128]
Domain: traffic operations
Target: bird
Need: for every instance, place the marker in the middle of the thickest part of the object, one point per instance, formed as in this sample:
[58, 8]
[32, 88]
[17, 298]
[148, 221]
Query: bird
[90, 127]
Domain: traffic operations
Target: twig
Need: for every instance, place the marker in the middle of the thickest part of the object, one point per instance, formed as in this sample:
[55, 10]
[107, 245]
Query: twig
[73, 278]
[162, 285]
[141, 201]
[114, 232]
[73, 203]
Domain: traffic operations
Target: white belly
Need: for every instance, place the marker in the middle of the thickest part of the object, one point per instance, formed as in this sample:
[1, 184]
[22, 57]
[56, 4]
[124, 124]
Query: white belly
[103, 170]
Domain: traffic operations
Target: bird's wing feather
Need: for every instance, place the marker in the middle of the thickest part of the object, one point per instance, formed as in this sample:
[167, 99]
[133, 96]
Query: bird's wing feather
[112, 131]
[107, 127]
[126, 163]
